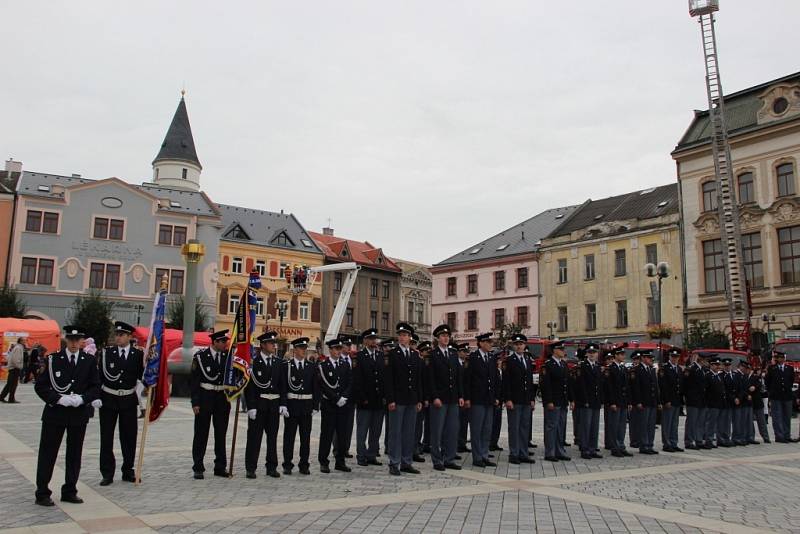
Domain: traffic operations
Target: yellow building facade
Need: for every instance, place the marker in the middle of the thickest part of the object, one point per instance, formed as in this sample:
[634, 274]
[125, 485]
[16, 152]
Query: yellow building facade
[246, 245]
[592, 269]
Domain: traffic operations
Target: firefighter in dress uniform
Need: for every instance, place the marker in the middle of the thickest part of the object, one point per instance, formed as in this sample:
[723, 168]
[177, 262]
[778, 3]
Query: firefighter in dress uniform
[779, 381]
[481, 396]
[403, 386]
[369, 398]
[617, 397]
[715, 402]
[297, 405]
[518, 395]
[646, 398]
[422, 429]
[69, 386]
[670, 386]
[210, 404]
[588, 400]
[347, 347]
[263, 400]
[446, 399]
[121, 367]
[334, 393]
[555, 398]
[694, 386]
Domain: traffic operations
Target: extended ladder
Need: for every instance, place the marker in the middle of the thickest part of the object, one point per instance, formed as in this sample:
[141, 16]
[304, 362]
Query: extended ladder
[730, 233]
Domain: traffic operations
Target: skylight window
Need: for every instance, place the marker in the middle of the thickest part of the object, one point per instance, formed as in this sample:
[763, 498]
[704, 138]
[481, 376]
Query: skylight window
[560, 216]
[663, 203]
[174, 204]
[646, 191]
[44, 188]
[598, 216]
[475, 250]
[306, 243]
[502, 247]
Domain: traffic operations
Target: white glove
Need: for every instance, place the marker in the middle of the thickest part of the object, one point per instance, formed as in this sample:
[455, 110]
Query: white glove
[315, 412]
[97, 403]
[341, 402]
[77, 400]
[65, 401]
[252, 414]
[283, 411]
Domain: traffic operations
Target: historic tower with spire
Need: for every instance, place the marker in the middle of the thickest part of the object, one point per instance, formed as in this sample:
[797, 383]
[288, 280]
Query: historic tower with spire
[176, 166]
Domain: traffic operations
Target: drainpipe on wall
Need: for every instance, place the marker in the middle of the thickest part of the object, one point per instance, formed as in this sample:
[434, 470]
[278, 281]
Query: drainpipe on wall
[684, 296]
[7, 276]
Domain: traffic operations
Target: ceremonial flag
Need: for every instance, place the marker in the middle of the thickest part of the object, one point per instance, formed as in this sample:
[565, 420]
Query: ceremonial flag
[237, 365]
[155, 373]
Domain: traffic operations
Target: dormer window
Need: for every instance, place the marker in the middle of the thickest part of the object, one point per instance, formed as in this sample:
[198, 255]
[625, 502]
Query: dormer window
[780, 105]
[344, 253]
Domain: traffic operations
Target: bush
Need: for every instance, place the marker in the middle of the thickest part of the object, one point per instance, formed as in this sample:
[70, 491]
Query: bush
[174, 317]
[11, 305]
[702, 336]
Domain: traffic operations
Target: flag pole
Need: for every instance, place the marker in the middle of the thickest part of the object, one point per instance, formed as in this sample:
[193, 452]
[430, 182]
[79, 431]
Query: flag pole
[233, 440]
[144, 435]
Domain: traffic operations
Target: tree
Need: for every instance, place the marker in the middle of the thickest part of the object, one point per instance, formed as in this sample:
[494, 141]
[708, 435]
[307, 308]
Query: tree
[504, 333]
[92, 313]
[11, 305]
[175, 315]
[703, 336]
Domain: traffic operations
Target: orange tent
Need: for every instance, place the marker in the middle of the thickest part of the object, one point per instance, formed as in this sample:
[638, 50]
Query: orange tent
[48, 333]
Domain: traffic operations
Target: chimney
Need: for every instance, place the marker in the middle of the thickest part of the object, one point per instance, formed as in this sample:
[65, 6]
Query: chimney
[327, 231]
[13, 166]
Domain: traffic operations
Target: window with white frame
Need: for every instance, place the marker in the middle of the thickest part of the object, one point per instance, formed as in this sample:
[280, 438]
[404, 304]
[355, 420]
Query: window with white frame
[304, 311]
[236, 265]
[233, 303]
[261, 267]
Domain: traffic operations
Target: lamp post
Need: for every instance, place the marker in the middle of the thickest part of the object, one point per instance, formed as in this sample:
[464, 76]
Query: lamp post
[660, 272]
[192, 252]
[768, 318]
[551, 325]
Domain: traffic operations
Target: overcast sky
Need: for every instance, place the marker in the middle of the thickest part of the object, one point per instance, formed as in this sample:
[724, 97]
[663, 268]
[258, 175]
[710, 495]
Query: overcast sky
[420, 126]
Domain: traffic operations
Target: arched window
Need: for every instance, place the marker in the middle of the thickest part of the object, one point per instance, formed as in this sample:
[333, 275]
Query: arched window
[785, 172]
[710, 196]
[746, 188]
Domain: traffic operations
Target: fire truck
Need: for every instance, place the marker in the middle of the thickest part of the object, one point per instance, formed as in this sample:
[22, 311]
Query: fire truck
[790, 344]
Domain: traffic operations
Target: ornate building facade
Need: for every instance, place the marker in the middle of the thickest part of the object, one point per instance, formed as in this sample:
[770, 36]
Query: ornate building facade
[416, 293]
[764, 130]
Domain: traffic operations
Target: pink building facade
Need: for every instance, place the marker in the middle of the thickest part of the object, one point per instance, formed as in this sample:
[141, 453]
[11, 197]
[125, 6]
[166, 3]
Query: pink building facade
[495, 282]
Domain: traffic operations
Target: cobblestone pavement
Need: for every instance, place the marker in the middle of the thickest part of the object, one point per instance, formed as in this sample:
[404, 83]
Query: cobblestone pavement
[743, 489]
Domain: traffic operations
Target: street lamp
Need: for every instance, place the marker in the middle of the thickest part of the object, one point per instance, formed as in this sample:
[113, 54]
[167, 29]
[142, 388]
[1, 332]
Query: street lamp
[768, 318]
[659, 271]
[192, 252]
[551, 325]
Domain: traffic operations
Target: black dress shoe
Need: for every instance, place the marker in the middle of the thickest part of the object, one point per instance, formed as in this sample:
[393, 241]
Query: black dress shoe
[564, 458]
[375, 462]
[343, 468]
[753, 442]
[129, 478]
[458, 457]
[495, 447]
[677, 449]
[198, 475]
[527, 461]
[597, 456]
[489, 463]
[491, 456]
[566, 444]
[223, 474]
[362, 463]
[513, 460]
[393, 470]
[439, 467]
[45, 501]
[324, 469]
[250, 474]
[348, 455]
[287, 471]
[586, 456]
[410, 469]
[617, 454]
[667, 449]
[451, 465]
[274, 474]
[479, 463]
[551, 458]
[74, 499]
[304, 471]
[767, 441]
[626, 453]
[418, 458]
[106, 482]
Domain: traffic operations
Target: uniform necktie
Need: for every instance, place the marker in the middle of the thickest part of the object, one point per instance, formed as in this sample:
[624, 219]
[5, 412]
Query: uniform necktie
[123, 354]
[72, 360]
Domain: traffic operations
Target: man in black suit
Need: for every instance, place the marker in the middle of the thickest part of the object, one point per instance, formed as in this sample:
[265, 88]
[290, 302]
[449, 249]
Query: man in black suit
[646, 398]
[69, 385]
[334, 391]
[210, 404]
[518, 395]
[555, 398]
[715, 402]
[617, 397]
[403, 385]
[694, 394]
[780, 378]
[481, 395]
[446, 399]
[121, 366]
[369, 398]
[263, 399]
[297, 405]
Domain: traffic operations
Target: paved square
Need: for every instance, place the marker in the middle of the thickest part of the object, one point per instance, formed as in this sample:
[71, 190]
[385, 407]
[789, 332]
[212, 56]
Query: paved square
[744, 489]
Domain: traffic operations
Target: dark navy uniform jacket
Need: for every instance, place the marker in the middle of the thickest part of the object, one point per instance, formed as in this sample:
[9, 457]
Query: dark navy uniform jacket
[265, 376]
[694, 386]
[670, 379]
[588, 385]
[616, 386]
[368, 379]
[60, 377]
[779, 383]
[445, 376]
[120, 374]
[403, 377]
[206, 370]
[334, 382]
[481, 380]
[298, 381]
[645, 386]
[553, 381]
